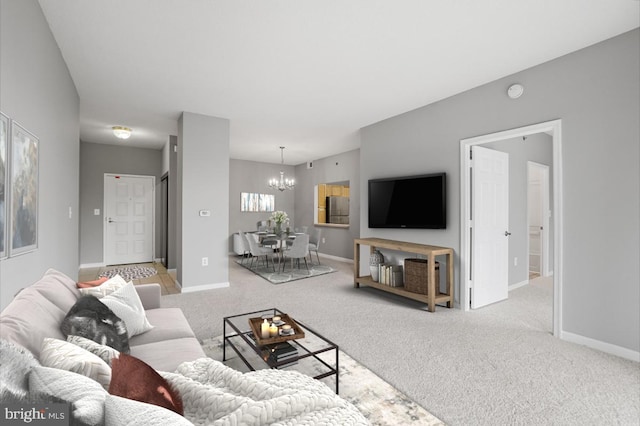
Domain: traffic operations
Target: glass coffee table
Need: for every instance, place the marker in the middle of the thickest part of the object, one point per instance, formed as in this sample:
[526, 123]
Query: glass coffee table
[305, 351]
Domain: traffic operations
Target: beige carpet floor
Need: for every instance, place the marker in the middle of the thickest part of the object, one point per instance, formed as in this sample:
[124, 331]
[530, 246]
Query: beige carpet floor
[499, 365]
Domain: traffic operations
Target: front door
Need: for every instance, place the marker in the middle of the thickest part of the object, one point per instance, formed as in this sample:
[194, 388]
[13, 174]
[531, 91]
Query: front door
[129, 226]
[490, 229]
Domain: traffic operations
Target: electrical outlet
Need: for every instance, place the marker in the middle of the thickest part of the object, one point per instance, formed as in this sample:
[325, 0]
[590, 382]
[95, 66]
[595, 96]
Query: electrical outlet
[205, 261]
[324, 240]
[515, 261]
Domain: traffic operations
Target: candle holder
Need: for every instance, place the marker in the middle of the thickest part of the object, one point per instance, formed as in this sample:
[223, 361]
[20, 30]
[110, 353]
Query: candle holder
[257, 323]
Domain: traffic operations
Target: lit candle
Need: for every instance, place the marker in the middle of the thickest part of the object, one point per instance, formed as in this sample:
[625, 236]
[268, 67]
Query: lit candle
[264, 331]
[273, 330]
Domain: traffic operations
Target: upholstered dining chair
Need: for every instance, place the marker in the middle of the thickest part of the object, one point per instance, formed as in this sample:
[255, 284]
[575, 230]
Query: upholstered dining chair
[244, 245]
[298, 250]
[258, 251]
[314, 243]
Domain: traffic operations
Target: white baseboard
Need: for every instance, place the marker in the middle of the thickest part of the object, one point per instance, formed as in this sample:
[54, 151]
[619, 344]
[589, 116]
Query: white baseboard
[202, 287]
[328, 256]
[518, 285]
[92, 265]
[601, 346]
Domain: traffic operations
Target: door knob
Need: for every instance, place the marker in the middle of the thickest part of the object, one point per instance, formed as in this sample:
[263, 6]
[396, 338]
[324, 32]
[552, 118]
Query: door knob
[110, 220]
[507, 233]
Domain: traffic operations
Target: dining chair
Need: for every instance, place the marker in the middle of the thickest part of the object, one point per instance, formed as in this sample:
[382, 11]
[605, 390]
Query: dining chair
[244, 246]
[314, 243]
[298, 250]
[257, 251]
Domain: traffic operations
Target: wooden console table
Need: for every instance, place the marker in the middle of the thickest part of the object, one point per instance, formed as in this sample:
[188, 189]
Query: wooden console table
[433, 295]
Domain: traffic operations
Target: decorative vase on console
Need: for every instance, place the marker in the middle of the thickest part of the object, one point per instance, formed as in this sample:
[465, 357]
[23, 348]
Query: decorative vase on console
[375, 260]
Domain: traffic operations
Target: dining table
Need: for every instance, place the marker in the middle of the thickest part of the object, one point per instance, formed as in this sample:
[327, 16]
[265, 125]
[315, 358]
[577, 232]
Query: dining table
[277, 241]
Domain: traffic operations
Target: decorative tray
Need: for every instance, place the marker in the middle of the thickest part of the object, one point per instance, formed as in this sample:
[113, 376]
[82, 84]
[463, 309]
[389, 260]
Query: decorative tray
[256, 324]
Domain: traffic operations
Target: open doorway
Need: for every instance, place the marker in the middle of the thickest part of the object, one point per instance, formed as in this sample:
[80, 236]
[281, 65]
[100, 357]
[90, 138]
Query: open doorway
[553, 129]
[538, 223]
[164, 220]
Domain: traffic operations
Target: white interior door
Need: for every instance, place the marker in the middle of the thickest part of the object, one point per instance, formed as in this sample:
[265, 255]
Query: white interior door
[490, 226]
[128, 229]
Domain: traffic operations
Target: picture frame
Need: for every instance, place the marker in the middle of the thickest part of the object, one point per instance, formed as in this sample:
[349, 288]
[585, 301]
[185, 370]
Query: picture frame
[4, 185]
[255, 202]
[23, 171]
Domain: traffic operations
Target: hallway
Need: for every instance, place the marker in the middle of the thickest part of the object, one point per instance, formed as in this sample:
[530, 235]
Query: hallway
[165, 278]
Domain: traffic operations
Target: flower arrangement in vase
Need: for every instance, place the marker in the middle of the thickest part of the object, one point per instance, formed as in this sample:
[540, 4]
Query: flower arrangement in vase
[279, 217]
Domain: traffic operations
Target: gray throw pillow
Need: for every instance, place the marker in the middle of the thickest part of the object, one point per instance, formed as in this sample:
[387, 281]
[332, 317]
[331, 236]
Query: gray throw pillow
[91, 318]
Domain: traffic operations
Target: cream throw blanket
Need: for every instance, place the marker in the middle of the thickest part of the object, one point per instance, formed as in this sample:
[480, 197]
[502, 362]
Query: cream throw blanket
[214, 394]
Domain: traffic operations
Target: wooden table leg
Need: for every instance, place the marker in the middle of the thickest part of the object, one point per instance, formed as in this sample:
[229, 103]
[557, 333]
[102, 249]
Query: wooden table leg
[431, 283]
[450, 280]
[356, 264]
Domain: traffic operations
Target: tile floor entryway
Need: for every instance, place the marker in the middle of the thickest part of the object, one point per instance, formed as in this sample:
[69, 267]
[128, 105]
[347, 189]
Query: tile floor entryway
[165, 278]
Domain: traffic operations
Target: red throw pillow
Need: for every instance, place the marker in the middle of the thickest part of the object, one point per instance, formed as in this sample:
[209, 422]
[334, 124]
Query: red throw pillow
[134, 379]
[94, 283]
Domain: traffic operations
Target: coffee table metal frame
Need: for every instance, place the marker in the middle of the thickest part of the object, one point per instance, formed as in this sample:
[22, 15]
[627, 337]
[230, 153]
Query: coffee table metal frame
[303, 350]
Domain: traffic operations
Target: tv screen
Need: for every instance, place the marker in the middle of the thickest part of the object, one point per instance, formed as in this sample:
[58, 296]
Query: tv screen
[408, 202]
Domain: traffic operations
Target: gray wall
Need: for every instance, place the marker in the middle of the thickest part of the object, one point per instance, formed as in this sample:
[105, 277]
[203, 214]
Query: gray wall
[337, 168]
[95, 161]
[36, 90]
[596, 93]
[203, 174]
[537, 148]
[173, 202]
[252, 176]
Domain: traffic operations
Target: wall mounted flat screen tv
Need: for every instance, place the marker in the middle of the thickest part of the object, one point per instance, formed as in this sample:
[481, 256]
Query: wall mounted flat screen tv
[408, 202]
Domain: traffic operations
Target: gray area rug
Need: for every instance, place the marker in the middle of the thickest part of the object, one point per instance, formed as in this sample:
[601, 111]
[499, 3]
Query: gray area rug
[377, 400]
[129, 273]
[289, 274]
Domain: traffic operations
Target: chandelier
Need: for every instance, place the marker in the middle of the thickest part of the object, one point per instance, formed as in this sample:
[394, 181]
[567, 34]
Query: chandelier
[282, 183]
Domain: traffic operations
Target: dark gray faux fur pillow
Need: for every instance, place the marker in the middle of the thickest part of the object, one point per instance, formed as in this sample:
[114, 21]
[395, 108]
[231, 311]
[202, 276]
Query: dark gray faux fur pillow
[92, 319]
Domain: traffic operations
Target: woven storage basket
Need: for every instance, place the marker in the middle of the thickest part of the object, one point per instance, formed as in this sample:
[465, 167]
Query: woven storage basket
[415, 275]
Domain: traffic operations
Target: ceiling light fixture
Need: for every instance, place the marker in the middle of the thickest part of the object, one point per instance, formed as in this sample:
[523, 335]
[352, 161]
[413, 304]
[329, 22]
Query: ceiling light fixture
[282, 183]
[121, 132]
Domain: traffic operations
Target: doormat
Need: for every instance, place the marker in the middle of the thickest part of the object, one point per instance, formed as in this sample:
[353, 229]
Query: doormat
[380, 402]
[129, 273]
[289, 274]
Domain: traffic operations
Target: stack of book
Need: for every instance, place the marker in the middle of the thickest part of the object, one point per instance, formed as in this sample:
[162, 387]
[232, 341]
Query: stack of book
[282, 352]
[391, 275]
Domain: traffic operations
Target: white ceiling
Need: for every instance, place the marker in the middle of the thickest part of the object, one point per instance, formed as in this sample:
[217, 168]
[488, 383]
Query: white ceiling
[302, 74]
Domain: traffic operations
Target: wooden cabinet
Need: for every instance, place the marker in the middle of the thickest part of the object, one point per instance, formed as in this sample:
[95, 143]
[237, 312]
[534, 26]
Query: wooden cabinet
[327, 190]
[433, 296]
